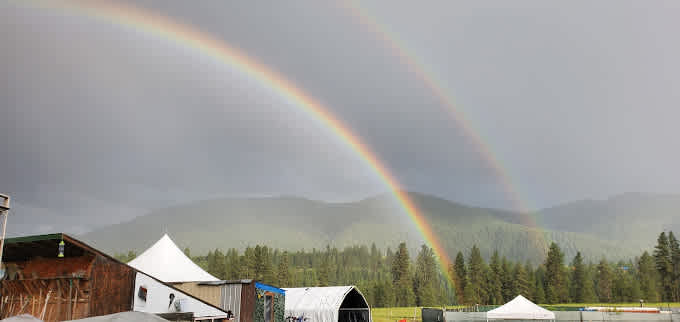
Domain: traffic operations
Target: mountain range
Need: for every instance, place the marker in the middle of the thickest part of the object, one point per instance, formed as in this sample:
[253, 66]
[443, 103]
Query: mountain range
[620, 227]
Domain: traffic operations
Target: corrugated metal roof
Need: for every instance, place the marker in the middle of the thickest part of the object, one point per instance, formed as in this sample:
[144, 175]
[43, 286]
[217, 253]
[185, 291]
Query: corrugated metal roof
[222, 282]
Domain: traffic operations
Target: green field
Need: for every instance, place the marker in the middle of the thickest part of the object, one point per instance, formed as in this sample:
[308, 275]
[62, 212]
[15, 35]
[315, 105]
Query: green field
[384, 314]
[393, 314]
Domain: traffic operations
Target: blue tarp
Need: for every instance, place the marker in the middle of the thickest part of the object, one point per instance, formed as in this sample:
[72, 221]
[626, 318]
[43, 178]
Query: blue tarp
[269, 288]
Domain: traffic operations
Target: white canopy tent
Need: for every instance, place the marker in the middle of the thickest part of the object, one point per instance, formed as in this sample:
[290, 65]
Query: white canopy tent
[327, 304]
[166, 262]
[520, 309]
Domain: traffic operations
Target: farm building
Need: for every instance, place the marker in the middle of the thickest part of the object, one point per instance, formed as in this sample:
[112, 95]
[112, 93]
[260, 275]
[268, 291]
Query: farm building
[57, 277]
[327, 304]
[246, 300]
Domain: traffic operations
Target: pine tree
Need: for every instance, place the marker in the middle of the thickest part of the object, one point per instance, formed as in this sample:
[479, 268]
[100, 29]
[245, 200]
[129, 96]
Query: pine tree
[495, 280]
[664, 265]
[539, 287]
[384, 294]
[426, 277]
[520, 281]
[248, 265]
[648, 277]
[401, 277]
[531, 282]
[588, 285]
[554, 283]
[619, 284]
[604, 282]
[578, 279]
[231, 262]
[507, 280]
[674, 248]
[476, 283]
[283, 273]
[460, 275]
[375, 258]
[324, 270]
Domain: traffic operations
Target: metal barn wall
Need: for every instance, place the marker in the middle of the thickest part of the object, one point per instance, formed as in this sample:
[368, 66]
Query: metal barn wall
[231, 299]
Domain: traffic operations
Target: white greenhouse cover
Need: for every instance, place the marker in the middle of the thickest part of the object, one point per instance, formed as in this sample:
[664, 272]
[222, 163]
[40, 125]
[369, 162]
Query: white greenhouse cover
[520, 309]
[166, 262]
[319, 304]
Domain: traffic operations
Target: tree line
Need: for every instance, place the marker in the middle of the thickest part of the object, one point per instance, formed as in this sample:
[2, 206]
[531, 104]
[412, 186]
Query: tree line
[392, 278]
[652, 278]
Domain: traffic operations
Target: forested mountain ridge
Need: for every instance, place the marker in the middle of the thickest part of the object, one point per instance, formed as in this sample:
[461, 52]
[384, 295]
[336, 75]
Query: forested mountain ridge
[297, 223]
[630, 218]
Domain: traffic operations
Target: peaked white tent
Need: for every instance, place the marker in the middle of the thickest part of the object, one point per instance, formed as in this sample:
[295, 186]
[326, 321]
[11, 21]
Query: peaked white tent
[327, 304]
[166, 262]
[520, 309]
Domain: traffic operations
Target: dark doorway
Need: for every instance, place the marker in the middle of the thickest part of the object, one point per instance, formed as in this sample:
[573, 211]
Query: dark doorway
[354, 308]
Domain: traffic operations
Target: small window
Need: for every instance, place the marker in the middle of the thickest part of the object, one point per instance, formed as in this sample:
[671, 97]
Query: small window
[142, 293]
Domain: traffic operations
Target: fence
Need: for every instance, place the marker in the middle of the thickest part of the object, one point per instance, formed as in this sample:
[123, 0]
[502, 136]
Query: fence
[575, 316]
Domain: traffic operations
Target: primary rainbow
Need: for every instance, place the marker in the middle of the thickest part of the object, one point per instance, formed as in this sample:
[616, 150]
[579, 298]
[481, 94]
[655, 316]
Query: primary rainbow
[187, 36]
[464, 124]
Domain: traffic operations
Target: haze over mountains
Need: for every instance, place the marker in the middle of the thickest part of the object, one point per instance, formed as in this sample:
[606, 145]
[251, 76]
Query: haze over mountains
[618, 228]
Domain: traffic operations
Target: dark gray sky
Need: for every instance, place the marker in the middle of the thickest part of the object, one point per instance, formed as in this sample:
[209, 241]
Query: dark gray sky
[100, 123]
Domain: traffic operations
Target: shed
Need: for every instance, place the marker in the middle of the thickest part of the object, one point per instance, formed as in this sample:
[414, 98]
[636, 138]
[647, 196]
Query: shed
[520, 309]
[327, 304]
[58, 281]
[246, 299]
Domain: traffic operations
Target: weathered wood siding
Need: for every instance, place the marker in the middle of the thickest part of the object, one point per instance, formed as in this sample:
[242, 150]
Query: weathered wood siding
[248, 297]
[112, 287]
[207, 293]
[53, 289]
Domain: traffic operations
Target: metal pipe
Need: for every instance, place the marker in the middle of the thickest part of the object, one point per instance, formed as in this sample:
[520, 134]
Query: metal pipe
[4, 211]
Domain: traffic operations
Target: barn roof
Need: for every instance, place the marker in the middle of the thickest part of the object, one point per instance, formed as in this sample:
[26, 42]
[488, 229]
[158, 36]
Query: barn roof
[166, 262]
[28, 247]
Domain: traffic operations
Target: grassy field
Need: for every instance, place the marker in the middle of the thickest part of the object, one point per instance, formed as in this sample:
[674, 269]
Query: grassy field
[384, 314]
[393, 314]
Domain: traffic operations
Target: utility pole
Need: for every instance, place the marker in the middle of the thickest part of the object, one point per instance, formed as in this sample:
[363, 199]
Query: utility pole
[4, 212]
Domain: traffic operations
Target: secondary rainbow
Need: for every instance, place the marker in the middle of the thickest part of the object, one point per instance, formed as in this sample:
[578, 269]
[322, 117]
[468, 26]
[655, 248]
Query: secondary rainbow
[186, 36]
[417, 68]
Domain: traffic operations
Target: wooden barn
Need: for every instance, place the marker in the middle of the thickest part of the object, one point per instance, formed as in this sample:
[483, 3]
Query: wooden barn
[57, 277]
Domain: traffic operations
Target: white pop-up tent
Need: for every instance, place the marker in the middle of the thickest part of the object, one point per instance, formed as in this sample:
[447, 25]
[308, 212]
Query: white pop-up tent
[327, 304]
[520, 309]
[166, 262]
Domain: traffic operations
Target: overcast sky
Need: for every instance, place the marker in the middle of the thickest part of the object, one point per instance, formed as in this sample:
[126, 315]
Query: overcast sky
[101, 123]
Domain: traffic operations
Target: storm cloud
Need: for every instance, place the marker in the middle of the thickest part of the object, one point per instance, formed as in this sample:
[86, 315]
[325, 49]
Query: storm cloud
[100, 123]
